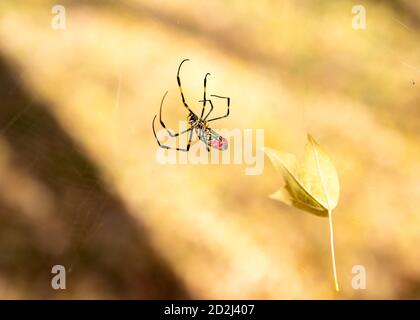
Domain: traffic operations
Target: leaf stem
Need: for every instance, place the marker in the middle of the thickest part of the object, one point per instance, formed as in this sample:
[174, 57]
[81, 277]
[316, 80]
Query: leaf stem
[332, 250]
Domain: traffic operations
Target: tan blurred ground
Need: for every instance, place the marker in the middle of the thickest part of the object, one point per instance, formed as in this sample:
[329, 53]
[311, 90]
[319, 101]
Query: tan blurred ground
[80, 185]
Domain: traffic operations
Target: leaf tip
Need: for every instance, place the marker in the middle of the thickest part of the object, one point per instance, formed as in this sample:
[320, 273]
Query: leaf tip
[268, 151]
[311, 139]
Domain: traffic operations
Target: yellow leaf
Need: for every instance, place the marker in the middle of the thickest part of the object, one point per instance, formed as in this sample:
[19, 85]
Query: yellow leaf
[318, 175]
[311, 184]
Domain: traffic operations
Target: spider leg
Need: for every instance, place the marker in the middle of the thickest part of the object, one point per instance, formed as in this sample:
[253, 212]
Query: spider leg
[180, 88]
[204, 99]
[228, 105]
[211, 108]
[163, 124]
[188, 144]
[175, 135]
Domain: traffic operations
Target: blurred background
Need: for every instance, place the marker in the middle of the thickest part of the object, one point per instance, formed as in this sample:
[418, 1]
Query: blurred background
[80, 185]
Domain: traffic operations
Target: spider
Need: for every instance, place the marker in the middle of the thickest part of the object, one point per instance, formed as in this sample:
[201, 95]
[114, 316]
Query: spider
[199, 125]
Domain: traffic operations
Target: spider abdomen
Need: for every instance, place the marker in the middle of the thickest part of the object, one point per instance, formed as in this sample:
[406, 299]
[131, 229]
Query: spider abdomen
[213, 139]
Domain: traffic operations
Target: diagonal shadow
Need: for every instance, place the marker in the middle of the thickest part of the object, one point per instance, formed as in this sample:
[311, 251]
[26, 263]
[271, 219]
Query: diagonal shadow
[105, 253]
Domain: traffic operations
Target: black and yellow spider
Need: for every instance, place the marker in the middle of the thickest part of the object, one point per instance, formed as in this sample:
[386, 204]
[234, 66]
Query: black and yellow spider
[199, 125]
